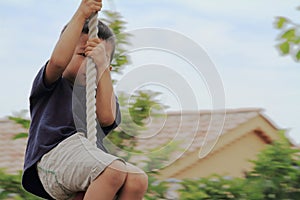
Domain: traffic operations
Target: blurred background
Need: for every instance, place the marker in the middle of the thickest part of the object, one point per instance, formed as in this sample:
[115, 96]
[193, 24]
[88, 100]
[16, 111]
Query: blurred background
[252, 47]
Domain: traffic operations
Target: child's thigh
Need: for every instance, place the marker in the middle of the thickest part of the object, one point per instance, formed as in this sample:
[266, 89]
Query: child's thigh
[72, 166]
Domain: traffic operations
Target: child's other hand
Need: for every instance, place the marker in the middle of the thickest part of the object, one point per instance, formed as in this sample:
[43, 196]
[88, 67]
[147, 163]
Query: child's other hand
[100, 51]
[88, 7]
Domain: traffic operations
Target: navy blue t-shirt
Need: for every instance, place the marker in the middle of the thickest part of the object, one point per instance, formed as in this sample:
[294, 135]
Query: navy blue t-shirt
[56, 113]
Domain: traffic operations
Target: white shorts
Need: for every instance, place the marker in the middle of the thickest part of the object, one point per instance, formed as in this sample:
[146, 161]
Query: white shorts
[71, 166]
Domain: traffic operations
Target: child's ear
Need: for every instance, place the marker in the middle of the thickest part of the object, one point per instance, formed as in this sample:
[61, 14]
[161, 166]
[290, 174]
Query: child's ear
[110, 68]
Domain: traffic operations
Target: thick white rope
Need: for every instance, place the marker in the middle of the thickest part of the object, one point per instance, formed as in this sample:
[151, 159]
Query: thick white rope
[91, 85]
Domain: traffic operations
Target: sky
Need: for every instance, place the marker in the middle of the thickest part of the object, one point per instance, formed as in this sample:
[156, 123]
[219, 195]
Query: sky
[237, 38]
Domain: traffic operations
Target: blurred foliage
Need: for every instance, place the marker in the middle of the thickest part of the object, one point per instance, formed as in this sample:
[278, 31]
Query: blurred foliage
[20, 118]
[276, 174]
[214, 188]
[289, 37]
[10, 187]
[143, 104]
[136, 109]
[117, 24]
[122, 141]
[20, 135]
[156, 189]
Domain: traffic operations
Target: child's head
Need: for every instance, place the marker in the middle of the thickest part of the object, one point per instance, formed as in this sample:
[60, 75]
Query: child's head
[104, 33]
[77, 61]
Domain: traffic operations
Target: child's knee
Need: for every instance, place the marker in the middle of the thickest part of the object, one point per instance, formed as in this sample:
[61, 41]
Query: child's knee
[115, 174]
[118, 166]
[137, 182]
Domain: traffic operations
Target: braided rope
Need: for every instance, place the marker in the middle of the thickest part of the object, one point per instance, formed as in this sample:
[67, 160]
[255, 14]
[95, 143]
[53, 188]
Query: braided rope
[91, 86]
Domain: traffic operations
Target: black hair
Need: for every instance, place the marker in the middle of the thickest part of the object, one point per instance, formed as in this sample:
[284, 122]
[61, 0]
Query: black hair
[104, 33]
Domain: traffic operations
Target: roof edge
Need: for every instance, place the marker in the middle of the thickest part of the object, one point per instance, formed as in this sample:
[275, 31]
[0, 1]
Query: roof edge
[216, 111]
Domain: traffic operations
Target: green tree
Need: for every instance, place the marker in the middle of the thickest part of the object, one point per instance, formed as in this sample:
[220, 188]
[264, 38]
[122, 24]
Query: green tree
[117, 24]
[289, 37]
[214, 188]
[276, 174]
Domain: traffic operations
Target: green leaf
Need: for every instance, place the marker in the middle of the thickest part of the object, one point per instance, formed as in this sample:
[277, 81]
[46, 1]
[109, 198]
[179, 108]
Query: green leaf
[281, 21]
[20, 120]
[289, 34]
[296, 40]
[284, 48]
[20, 135]
[298, 56]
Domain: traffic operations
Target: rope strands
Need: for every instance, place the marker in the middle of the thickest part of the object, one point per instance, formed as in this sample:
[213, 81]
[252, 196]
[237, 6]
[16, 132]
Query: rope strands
[91, 85]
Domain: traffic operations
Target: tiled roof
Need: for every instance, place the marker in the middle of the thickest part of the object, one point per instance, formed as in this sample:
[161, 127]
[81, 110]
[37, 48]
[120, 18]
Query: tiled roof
[197, 126]
[190, 129]
[11, 151]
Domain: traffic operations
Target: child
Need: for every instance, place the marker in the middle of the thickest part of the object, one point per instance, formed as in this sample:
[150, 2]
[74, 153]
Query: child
[60, 163]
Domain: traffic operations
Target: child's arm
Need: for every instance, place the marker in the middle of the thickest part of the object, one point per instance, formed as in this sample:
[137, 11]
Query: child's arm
[64, 49]
[106, 100]
[100, 52]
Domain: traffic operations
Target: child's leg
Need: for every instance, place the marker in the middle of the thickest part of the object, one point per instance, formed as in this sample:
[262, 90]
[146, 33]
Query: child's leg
[107, 184]
[135, 185]
[77, 165]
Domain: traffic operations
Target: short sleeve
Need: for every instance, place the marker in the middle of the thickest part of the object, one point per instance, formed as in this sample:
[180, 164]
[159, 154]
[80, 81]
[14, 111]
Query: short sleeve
[39, 87]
